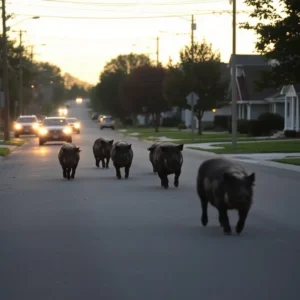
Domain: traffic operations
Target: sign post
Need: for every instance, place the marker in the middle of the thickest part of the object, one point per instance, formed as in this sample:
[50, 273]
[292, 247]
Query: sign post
[192, 100]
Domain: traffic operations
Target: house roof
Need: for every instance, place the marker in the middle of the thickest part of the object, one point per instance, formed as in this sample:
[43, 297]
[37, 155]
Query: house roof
[249, 60]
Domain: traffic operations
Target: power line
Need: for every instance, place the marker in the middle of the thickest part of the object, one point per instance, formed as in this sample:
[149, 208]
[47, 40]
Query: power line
[137, 3]
[124, 18]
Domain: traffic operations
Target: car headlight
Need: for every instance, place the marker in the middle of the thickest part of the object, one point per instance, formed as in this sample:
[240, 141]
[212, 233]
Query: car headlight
[43, 131]
[67, 130]
[35, 125]
[60, 111]
[77, 125]
[65, 111]
[18, 126]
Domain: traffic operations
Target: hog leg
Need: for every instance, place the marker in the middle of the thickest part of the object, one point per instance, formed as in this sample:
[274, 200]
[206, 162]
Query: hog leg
[220, 219]
[97, 162]
[176, 179]
[204, 203]
[127, 169]
[103, 163]
[118, 173]
[164, 180]
[68, 173]
[73, 172]
[154, 169]
[241, 222]
[107, 162]
[64, 172]
[225, 220]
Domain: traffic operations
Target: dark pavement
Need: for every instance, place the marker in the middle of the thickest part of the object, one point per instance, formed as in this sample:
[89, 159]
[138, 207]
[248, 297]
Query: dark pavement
[97, 237]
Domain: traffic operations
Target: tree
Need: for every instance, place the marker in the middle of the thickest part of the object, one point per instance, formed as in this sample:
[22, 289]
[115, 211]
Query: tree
[278, 39]
[143, 92]
[127, 62]
[105, 95]
[203, 76]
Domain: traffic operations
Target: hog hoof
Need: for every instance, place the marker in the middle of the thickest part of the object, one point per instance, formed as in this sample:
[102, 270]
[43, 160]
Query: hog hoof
[107, 167]
[119, 177]
[176, 184]
[227, 231]
[166, 187]
[204, 220]
[238, 229]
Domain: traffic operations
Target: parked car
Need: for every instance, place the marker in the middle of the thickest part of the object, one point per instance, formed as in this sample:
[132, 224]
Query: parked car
[107, 122]
[75, 124]
[55, 129]
[26, 125]
[95, 116]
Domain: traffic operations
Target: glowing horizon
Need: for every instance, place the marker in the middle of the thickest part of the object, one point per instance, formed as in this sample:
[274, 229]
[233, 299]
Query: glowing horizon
[80, 44]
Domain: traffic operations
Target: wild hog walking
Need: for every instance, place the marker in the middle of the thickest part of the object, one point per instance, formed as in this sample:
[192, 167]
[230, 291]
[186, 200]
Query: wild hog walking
[122, 155]
[69, 157]
[225, 185]
[151, 155]
[101, 150]
[167, 159]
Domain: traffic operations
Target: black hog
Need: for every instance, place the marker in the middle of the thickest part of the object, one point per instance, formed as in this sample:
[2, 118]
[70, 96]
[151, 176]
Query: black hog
[151, 155]
[167, 159]
[101, 150]
[69, 157]
[122, 155]
[225, 185]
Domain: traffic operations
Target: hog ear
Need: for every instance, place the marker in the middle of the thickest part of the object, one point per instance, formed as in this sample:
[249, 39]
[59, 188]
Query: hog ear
[129, 146]
[111, 142]
[78, 149]
[227, 177]
[180, 147]
[251, 178]
[151, 148]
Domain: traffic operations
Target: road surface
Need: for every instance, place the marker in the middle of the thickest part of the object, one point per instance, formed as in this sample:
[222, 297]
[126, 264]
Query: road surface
[101, 238]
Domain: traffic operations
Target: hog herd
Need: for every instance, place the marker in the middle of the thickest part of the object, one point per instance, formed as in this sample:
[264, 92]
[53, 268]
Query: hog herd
[221, 182]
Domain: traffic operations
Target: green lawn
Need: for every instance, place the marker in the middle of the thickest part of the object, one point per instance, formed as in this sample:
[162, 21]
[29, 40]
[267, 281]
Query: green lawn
[289, 161]
[182, 136]
[14, 142]
[4, 151]
[257, 147]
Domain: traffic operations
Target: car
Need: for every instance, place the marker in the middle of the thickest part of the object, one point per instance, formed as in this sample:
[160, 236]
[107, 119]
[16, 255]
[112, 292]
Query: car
[78, 100]
[75, 124]
[55, 129]
[26, 125]
[107, 122]
[95, 116]
[63, 111]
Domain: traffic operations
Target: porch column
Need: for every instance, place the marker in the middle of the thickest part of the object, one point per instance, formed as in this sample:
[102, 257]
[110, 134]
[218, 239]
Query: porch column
[274, 108]
[243, 111]
[239, 114]
[293, 113]
[249, 112]
[285, 113]
[297, 113]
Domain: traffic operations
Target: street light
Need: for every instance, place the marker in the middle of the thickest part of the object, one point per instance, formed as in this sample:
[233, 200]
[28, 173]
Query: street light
[30, 18]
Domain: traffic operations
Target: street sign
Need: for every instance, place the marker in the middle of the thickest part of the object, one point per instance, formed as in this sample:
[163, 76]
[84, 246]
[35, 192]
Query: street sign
[192, 99]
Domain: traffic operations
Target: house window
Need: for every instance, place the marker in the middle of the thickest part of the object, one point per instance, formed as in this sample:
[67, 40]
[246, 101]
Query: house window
[288, 109]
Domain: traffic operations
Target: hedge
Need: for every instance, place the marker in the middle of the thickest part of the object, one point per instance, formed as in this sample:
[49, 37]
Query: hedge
[171, 122]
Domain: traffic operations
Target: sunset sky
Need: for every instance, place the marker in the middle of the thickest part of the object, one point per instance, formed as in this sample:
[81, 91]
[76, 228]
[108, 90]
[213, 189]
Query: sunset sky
[82, 35]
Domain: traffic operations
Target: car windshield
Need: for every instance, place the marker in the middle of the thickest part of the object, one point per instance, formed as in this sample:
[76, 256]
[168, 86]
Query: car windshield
[55, 122]
[72, 120]
[107, 119]
[26, 119]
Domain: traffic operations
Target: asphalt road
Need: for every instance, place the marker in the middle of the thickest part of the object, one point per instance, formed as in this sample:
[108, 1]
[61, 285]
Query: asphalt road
[101, 238]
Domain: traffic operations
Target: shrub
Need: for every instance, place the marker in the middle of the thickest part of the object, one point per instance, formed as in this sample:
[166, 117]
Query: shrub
[292, 134]
[243, 126]
[171, 122]
[271, 122]
[222, 121]
[181, 126]
[255, 128]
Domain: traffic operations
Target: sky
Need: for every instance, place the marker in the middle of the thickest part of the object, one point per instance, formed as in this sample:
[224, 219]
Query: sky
[80, 36]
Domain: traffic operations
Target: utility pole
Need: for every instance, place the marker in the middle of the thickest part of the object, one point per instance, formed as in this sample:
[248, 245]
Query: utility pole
[31, 53]
[157, 51]
[21, 73]
[5, 76]
[233, 77]
[193, 27]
